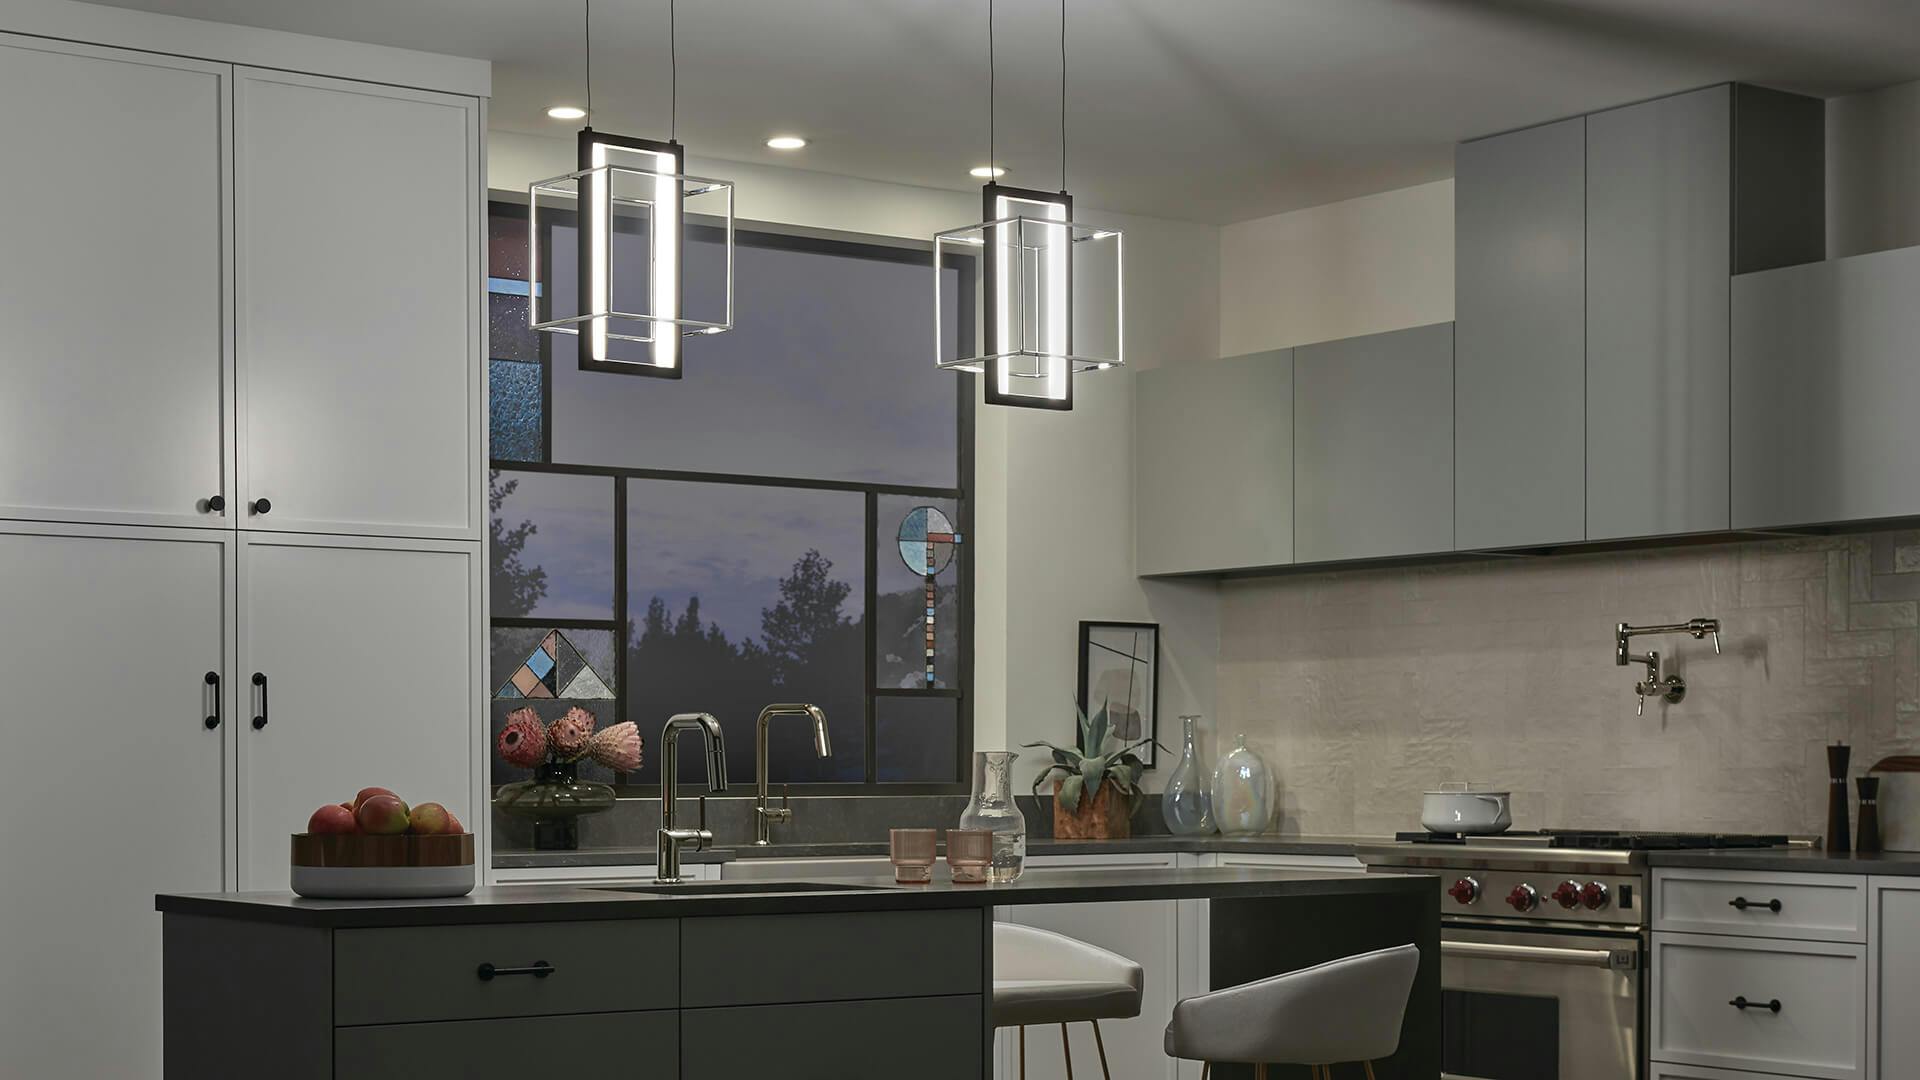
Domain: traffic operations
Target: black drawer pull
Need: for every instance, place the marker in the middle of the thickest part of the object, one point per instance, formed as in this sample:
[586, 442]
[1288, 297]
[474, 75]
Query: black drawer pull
[260, 680]
[1741, 903]
[540, 969]
[1743, 1004]
[213, 680]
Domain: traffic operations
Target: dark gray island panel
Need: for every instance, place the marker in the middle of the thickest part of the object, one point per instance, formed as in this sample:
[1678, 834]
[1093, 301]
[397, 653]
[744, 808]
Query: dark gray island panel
[245, 1000]
[614, 1046]
[827, 957]
[923, 1038]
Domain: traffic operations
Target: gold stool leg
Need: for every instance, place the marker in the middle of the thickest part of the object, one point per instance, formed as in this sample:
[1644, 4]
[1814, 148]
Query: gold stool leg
[1101, 1045]
[1205, 1068]
[1260, 1072]
[1066, 1051]
[1369, 1066]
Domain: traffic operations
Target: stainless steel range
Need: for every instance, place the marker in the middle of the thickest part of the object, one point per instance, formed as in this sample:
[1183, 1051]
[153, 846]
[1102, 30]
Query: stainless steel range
[1543, 942]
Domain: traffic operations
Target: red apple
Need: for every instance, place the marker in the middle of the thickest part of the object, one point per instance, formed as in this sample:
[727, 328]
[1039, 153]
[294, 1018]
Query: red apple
[454, 827]
[429, 818]
[382, 815]
[332, 819]
[368, 793]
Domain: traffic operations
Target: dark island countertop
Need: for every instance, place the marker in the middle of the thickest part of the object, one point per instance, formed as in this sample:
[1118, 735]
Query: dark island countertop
[548, 903]
[1791, 861]
[1265, 844]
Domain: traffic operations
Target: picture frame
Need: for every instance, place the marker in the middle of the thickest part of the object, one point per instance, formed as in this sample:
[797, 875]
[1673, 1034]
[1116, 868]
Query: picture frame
[1123, 658]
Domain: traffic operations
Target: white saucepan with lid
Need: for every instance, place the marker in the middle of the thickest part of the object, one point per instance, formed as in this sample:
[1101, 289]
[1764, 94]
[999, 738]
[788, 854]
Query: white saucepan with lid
[1458, 808]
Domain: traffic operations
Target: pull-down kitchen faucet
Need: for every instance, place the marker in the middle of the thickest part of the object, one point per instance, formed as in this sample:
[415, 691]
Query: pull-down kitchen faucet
[667, 857]
[1673, 688]
[763, 815]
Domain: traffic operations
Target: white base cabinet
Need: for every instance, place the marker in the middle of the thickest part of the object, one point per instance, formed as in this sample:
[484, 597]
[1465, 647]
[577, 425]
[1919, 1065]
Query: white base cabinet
[1893, 978]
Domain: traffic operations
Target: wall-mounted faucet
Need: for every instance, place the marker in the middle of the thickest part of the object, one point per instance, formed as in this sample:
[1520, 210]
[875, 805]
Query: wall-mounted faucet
[667, 857]
[1673, 688]
[763, 815]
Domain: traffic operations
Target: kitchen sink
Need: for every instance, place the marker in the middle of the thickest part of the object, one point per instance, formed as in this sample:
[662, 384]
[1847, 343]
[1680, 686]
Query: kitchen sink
[741, 888]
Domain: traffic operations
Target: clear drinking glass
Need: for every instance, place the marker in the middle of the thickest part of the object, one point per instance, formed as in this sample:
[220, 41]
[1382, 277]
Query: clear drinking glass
[992, 808]
[1186, 803]
[1242, 791]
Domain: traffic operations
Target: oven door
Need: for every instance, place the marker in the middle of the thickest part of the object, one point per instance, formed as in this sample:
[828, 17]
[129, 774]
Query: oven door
[1540, 1005]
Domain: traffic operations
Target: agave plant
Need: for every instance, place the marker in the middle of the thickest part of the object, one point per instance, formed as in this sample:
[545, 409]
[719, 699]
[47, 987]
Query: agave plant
[1100, 757]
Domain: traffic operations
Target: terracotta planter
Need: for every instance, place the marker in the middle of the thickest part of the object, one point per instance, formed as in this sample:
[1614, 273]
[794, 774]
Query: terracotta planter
[1103, 817]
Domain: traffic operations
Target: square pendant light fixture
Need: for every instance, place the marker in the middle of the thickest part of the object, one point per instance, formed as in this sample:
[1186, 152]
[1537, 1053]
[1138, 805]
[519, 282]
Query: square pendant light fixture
[651, 254]
[1051, 294]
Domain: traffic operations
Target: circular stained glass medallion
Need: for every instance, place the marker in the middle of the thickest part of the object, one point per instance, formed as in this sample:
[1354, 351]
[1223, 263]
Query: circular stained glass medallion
[926, 540]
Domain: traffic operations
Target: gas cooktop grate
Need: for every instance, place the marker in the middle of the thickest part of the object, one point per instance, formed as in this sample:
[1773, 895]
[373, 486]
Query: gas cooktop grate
[1601, 839]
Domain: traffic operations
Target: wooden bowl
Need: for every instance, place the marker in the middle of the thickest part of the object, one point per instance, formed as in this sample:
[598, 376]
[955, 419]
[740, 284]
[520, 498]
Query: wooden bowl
[382, 867]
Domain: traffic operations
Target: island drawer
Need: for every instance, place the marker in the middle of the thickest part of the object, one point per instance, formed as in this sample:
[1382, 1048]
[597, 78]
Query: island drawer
[1819, 1029]
[933, 1038]
[769, 959]
[1813, 907]
[631, 1045]
[409, 974]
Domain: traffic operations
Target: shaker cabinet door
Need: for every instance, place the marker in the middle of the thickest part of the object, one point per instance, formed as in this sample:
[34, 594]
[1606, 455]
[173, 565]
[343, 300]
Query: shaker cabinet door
[115, 406]
[359, 667]
[357, 215]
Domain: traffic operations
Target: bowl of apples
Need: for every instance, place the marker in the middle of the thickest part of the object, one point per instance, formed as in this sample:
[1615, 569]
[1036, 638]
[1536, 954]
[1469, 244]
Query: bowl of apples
[378, 847]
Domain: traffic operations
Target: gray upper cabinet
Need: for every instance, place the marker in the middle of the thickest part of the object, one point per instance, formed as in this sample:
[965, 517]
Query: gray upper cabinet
[1213, 471]
[1824, 380]
[1665, 234]
[1373, 446]
[1520, 342]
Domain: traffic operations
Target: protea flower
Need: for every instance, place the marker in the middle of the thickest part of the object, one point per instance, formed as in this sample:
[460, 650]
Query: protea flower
[568, 735]
[617, 747]
[523, 741]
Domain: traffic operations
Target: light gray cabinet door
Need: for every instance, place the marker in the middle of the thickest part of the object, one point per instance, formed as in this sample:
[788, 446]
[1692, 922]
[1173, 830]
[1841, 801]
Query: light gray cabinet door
[113, 294]
[357, 227]
[1659, 264]
[1213, 465]
[1373, 446]
[1893, 978]
[112, 785]
[1520, 338]
[1824, 384]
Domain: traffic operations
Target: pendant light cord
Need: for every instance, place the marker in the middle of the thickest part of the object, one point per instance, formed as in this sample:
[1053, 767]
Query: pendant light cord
[673, 72]
[589, 36]
[991, 74]
[1063, 95]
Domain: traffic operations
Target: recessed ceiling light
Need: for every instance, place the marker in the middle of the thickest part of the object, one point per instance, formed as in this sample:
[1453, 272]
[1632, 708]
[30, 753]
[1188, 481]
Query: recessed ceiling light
[987, 172]
[786, 142]
[567, 112]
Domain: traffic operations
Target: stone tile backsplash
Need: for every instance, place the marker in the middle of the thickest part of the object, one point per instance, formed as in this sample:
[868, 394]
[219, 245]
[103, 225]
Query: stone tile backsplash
[1365, 687]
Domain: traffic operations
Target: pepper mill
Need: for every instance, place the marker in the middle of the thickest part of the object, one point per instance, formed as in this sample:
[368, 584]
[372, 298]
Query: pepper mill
[1869, 815]
[1837, 756]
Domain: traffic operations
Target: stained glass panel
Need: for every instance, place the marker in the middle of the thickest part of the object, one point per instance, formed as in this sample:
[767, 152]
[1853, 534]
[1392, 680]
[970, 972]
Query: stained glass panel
[917, 590]
[517, 429]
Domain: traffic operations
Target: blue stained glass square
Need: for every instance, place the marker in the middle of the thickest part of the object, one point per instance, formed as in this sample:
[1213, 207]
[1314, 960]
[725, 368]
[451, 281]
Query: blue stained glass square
[540, 662]
[516, 424]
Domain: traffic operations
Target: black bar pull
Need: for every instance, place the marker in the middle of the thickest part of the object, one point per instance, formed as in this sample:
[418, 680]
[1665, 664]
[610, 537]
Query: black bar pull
[1741, 903]
[1741, 1003]
[213, 719]
[539, 969]
[260, 680]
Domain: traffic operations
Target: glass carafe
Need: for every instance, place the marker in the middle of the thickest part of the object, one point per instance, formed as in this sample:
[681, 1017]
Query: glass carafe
[1242, 791]
[1186, 803]
[992, 808]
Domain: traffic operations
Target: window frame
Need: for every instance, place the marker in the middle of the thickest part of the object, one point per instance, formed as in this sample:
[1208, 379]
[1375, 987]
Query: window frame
[775, 236]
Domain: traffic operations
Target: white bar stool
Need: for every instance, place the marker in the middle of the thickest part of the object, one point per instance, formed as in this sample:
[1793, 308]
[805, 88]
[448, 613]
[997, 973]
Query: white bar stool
[1349, 1009]
[1040, 977]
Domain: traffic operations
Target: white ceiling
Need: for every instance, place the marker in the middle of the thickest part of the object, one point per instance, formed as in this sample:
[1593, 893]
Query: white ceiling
[1208, 110]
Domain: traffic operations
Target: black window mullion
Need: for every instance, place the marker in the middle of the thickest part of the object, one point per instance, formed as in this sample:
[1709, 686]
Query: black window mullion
[870, 667]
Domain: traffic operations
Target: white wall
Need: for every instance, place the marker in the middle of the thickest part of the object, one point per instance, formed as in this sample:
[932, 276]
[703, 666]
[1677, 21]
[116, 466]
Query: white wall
[1053, 492]
[1873, 171]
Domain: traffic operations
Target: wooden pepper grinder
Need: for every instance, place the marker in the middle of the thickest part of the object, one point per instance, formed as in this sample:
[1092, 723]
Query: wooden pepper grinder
[1837, 838]
[1869, 815]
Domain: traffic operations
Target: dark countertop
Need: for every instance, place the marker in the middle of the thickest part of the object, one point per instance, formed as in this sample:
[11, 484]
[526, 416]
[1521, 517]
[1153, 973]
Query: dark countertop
[546, 903]
[1250, 845]
[1792, 861]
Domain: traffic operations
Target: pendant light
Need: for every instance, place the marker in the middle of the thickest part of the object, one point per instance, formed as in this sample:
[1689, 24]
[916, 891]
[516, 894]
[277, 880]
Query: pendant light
[1050, 288]
[634, 211]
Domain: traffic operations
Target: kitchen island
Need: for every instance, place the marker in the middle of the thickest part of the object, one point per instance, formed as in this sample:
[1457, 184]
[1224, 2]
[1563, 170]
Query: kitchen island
[849, 978]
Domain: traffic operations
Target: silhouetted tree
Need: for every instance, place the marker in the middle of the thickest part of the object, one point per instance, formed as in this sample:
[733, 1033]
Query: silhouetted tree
[516, 586]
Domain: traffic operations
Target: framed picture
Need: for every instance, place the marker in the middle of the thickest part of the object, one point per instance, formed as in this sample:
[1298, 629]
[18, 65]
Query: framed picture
[1120, 671]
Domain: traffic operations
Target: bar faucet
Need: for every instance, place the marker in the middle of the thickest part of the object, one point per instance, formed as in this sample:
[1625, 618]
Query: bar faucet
[763, 815]
[1673, 688]
[667, 865]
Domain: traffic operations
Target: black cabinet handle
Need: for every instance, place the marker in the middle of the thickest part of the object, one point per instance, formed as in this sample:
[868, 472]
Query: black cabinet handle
[260, 680]
[216, 504]
[540, 969]
[261, 506]
[213, 680]
[1741, 903]
[1741, 1003]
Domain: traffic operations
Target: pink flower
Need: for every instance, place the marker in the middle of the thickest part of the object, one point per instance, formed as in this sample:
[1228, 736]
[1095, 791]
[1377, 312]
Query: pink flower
[617, 747]
[523, 741]
[568, 735]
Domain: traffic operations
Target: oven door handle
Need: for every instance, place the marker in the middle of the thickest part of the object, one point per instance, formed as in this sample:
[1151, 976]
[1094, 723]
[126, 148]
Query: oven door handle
[1616, 959]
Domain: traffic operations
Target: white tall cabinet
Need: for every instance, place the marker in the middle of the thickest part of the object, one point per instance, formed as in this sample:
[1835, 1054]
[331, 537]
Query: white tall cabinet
[240, 433]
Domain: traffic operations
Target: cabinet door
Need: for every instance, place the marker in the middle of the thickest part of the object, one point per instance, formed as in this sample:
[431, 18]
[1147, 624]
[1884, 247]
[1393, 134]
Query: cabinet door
[1214, 465]
[623, 1045]
[112, 294]
[1659, 265]
[370, 655]
[1373, 446]
[357, 210]
[112, 786]
[1893, 978]
[1520, 347]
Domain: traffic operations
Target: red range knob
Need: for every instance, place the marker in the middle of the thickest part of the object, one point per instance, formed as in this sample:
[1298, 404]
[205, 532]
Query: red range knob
[1567, 894]
[1594, 895]
[1523, 898]
[1465, 891]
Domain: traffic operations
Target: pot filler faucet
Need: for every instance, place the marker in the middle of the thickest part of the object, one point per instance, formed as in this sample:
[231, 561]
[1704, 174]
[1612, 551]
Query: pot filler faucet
[763, 815]
[1673, 688]
[667, 864]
